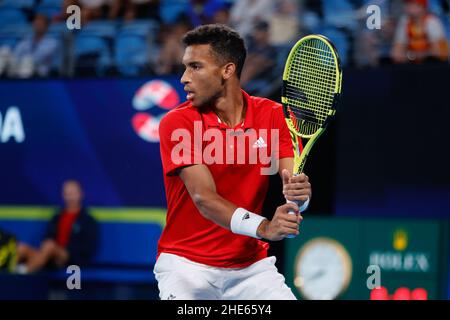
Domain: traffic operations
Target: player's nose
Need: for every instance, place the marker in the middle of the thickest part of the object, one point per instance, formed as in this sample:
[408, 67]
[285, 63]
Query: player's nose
[185, 78]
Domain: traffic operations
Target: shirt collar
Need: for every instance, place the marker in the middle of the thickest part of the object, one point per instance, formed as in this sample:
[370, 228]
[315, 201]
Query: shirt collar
[211, 119]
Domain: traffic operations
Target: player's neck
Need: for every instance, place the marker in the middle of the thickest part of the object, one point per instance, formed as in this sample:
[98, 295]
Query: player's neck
[230, 107]
[73, 208]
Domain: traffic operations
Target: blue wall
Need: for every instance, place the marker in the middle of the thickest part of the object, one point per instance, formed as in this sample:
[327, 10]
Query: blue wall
[81, 129]
[391, 153]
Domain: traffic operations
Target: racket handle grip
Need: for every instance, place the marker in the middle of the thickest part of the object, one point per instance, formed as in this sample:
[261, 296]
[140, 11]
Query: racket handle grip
[291, 212]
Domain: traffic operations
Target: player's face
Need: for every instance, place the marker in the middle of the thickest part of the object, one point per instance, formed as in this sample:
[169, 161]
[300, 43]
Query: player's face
[202, 78]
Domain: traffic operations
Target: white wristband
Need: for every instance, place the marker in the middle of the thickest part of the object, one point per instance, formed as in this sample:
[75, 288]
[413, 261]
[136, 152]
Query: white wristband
[245, 222]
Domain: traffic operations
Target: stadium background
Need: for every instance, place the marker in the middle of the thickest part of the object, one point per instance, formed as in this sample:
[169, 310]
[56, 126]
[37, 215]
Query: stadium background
[95, 119]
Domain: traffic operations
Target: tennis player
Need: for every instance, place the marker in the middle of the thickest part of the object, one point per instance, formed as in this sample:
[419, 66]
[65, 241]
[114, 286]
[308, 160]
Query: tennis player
[211, 247]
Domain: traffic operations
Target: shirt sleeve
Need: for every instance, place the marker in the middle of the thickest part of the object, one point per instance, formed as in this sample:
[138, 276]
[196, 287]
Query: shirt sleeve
[285, 141]
[435, 30]
[178, 145]
[46, 50]
[21, 48]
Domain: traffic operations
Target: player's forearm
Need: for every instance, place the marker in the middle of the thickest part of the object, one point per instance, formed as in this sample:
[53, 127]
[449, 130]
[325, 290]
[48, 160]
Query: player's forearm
[262, 230]
[213, 207]
[286, 163]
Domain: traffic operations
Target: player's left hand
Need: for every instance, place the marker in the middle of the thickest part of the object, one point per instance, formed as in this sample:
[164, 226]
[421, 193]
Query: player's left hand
[296, 188]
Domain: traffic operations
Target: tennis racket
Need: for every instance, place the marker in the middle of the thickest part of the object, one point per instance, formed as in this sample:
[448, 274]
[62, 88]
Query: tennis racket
[312, 81]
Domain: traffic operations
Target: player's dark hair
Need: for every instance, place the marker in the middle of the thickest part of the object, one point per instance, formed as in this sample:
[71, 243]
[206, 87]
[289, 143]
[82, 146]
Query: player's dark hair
[227, 44]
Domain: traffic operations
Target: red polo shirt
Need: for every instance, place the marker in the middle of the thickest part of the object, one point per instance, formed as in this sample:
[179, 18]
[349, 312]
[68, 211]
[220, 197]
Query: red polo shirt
[235, 158]
[65, 224]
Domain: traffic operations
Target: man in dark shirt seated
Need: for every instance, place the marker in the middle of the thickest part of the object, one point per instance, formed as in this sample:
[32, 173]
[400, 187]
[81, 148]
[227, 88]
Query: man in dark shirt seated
[71, 236]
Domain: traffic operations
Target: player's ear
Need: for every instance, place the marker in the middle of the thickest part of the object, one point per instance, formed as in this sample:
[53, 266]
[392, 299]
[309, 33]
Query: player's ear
[228, 70]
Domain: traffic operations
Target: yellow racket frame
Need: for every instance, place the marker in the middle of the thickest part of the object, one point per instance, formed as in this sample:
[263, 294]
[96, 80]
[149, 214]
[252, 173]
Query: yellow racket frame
[300, 158]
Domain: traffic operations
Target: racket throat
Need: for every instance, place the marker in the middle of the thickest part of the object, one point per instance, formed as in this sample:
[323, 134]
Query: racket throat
[298, 168]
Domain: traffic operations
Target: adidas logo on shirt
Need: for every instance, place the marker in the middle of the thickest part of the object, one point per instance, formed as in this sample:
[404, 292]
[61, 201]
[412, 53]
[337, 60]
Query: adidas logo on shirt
[260, 143]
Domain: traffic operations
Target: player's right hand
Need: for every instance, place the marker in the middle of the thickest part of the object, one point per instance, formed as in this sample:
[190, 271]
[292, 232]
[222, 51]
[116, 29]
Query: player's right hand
[282, 223]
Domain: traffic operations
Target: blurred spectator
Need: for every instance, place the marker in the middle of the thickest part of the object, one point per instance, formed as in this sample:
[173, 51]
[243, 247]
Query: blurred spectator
[284, 22]
[5, 60]
[71, 236]
[203, 11]
[419, 35]
[222, 16]
[245, 13]
[372, 46]
[135, 9]
[261, 55]
[36, 53]
[171, 53]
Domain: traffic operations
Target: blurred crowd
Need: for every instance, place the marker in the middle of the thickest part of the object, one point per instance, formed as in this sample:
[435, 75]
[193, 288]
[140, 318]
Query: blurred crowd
[142, 37]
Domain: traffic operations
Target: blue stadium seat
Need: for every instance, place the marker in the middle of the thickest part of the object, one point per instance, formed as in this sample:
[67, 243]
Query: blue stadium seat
[311, 21]
[52, 3]
[340, 41]
[48, 11]
[92, 52]
[10, 35]
[12, 16]
[132, 46]
[24, 4]
[131, 54]
[339, 14]
[93, 45]
[104, 29]
[50, 8]
[435, 6]
[58, 29]
[8, 42]
[170, 10]
[140, 27]
[88, 44]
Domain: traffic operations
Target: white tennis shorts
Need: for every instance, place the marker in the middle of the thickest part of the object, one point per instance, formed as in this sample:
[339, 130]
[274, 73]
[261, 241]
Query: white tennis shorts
[180, 278]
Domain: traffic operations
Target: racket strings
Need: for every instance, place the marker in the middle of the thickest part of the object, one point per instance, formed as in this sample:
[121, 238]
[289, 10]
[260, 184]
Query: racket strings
[304, 115]
[297, 93]
[296, 101]
[319, 65]
[318, 89]
[307, 127]
[297, 105]
[293, 119]
[310, 85]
